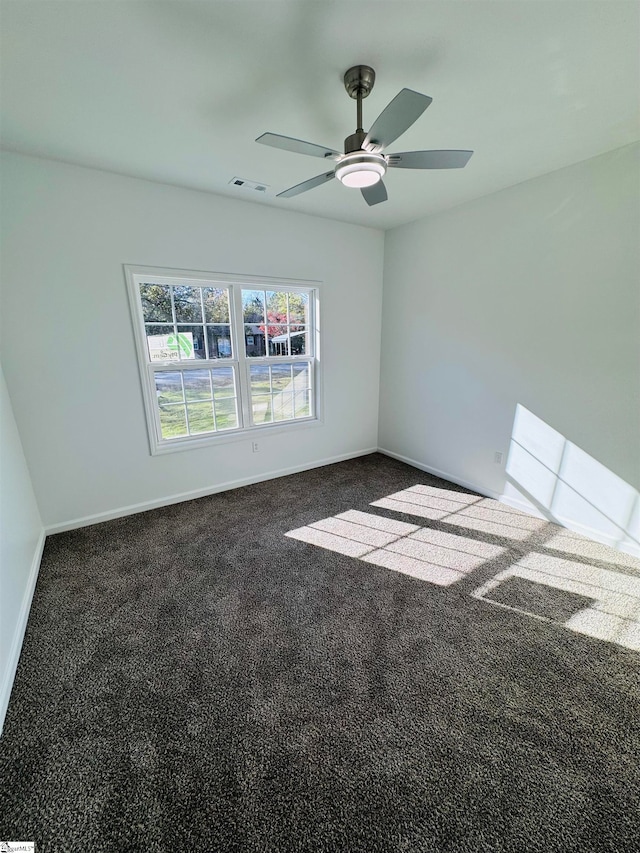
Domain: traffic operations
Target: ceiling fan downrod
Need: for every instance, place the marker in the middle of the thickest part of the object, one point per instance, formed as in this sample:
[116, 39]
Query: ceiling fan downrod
[358, 81]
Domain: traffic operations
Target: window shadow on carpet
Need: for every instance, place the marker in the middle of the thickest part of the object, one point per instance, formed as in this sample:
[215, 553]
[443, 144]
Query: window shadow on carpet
[535, 567]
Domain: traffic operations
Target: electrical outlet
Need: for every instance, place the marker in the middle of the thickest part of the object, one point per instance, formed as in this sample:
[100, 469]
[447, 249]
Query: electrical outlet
[497, 457]
[254, 446]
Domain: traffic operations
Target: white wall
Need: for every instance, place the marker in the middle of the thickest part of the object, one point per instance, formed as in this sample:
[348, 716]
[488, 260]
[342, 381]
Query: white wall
[70, 363]
[529, 296]
[21, 541]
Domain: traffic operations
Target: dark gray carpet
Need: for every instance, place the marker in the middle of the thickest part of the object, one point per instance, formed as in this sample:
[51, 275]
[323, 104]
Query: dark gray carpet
[191, 679]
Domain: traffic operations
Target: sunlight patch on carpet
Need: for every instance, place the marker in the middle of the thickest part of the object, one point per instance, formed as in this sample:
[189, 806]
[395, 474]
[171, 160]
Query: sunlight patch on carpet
[613, 611]
[586, 598]
[430, 555]
[462, 510]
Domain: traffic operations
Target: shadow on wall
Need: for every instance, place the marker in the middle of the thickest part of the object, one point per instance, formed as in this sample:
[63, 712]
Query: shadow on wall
[497, 554]
[548, 473]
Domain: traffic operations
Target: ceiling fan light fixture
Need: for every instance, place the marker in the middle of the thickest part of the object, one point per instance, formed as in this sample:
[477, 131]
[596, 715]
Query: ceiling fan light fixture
[361, 169]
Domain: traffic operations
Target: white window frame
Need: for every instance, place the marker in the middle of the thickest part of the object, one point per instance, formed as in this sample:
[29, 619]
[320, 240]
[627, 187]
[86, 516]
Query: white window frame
[240, 362]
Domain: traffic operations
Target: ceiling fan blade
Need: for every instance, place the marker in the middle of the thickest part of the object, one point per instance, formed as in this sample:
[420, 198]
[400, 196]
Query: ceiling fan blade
[395, 118]
[307, 185]
[429, 159]
[374, 194]
[298, 146]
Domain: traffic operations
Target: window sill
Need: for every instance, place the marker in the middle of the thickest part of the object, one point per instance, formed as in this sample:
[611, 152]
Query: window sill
[231, 437]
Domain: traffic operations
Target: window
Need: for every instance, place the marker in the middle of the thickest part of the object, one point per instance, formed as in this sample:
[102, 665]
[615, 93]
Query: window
[223, 355]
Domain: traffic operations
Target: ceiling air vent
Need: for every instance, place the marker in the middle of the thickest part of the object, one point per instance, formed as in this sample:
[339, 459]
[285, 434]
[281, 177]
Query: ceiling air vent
[248, 185]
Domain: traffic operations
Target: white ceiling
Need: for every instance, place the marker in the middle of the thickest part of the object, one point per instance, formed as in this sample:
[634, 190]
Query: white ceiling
[178, 91]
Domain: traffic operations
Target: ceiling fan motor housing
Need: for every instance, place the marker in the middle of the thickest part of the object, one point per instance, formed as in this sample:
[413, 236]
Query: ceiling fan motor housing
[354, 142]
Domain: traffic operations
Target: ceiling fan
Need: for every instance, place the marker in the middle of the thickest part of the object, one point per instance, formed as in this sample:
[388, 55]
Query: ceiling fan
[363, 163]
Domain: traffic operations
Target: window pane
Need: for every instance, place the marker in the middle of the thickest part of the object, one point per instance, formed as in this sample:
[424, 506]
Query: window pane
[298, 341]
[216, 304]
[299, 308]
[187, 304]
[173, 421]
[278, 340]
[226, 414]
[302, 404]
[301, 376]
[191, 342]
[200, 417]
[168, 387]
[259, 377]
[219, 340]
[276, 306]
[261, 407]
[281, 377]
[282, 406]
[161, 343]
[280, 392]
[223, 382]
[197, 385]
[254, 340]
[156, 303]
[253, 306]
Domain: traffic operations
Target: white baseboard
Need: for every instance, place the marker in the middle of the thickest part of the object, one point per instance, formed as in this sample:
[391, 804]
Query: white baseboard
[577, 527]
[598, 536]
[523, 506]
[444, 475]
[121, 512]
[21, 626]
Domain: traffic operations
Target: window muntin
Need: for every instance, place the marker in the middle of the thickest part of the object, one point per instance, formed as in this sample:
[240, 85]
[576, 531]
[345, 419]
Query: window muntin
[223, 357]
